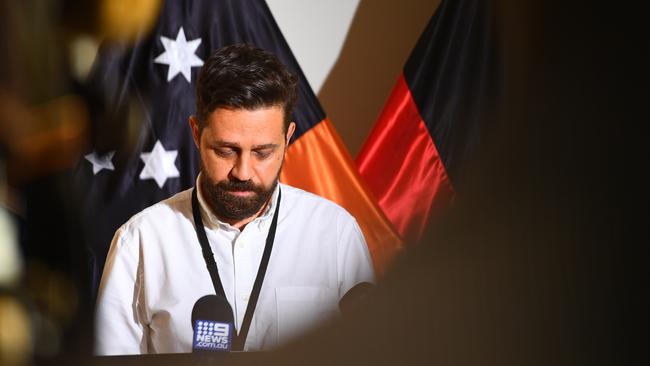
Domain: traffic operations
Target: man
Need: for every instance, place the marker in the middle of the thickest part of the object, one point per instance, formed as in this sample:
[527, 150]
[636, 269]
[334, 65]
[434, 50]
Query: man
[155, 270]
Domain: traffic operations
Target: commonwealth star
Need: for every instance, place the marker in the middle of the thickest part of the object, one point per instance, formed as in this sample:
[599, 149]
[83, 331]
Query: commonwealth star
[159, 164]
[100, 162]
[179, 55]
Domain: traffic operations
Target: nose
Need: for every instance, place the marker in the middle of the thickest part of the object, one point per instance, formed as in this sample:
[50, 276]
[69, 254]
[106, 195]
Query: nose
[242, 169]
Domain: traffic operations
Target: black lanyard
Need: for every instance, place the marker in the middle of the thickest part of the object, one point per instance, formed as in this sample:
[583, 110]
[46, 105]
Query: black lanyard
[240, 337]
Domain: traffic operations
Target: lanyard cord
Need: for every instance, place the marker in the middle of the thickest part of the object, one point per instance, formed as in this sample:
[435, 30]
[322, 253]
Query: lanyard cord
[208, 256]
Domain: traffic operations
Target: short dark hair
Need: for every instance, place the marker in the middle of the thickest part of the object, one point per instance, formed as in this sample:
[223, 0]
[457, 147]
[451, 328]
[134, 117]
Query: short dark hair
[247, 77]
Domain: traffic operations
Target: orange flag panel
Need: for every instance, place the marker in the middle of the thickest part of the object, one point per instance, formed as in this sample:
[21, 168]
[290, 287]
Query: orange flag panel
[318, 162]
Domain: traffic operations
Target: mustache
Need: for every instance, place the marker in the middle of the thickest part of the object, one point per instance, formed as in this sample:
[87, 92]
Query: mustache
[238, 186]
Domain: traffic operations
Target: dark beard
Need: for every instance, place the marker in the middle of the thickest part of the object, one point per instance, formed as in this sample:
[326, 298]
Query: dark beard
[230, 207]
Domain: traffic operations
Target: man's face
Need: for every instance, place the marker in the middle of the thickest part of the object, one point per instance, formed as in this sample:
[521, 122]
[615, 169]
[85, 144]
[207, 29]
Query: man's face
[241, 156]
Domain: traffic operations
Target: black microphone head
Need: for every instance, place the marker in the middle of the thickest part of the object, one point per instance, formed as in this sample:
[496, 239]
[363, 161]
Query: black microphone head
[214, 308]
[355, 296]
[213, 325]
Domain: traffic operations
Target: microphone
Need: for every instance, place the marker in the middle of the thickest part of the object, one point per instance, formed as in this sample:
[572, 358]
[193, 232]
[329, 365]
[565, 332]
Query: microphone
[355, 296]
[212, 322]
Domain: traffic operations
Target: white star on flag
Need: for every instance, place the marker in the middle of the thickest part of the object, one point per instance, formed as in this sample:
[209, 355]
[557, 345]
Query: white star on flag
[100, 162]
[179, 55]
[159, 164]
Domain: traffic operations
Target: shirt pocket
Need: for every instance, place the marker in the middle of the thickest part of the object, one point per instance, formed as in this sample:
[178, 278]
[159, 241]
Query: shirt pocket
[300, 309]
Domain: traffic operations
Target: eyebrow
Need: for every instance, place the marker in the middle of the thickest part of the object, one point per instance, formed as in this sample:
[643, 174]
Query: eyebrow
[222, 143]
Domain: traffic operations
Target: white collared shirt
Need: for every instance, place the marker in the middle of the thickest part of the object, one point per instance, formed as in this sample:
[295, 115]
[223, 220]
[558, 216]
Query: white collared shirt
[155, 272]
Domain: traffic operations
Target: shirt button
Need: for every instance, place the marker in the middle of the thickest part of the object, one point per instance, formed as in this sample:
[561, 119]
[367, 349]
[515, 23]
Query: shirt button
[241, 243]
[245, 298]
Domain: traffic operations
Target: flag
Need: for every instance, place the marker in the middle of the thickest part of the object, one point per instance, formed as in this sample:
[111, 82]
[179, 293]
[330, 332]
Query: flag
[146, 93]
[435, 117]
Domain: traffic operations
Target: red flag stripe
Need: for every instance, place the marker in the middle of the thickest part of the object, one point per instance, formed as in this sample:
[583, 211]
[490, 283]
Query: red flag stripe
[402, 166]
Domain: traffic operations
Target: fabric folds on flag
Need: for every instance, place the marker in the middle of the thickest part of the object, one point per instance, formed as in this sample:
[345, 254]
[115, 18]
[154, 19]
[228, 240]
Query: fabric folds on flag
[143, 151]
[319, 162]
[435, 117]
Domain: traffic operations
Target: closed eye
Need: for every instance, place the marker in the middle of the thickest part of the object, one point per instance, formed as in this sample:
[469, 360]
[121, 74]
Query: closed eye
[263, 153]
[224, 151]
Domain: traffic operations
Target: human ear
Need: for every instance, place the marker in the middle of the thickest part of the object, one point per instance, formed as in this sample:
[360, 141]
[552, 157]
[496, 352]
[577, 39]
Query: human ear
[194, 125]
[290, 130]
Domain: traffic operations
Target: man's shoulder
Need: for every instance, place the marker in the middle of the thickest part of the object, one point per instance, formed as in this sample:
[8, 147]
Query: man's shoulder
[180, 203]
[307, 201]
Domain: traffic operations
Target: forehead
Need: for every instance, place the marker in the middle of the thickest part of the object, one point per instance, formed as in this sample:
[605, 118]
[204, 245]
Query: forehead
[265, 124]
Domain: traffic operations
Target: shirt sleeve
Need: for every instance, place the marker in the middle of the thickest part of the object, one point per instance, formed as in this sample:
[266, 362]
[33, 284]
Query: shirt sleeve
[118, 325]
[353, 257]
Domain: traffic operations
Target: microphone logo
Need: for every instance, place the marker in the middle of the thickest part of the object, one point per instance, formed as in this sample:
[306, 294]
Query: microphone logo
[210, 335]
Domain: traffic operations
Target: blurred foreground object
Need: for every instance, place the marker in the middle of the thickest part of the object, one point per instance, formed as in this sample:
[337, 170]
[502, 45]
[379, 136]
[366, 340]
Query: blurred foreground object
[11, 263]
[121, 21]
[46, 309]
[89, 23]
[15, 333]
[531, 266]
[43, 139]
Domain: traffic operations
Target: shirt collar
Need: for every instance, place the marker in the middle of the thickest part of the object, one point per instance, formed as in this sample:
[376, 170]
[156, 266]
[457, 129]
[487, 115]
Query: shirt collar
[214, 222]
